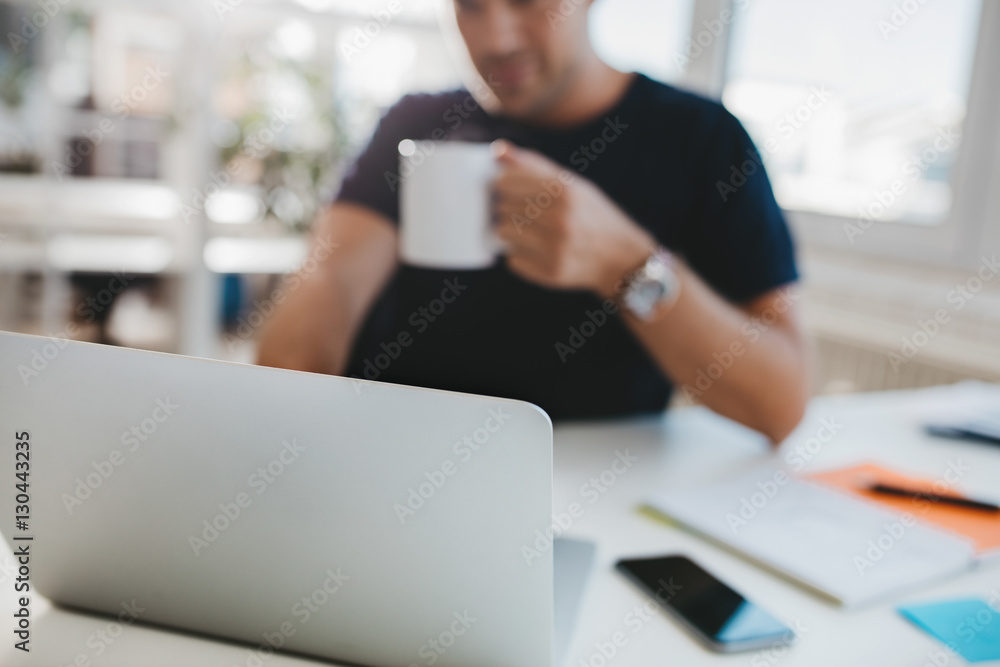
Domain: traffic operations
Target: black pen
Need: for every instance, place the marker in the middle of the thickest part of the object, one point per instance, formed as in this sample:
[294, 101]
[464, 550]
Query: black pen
[973, 433]
[934, 497]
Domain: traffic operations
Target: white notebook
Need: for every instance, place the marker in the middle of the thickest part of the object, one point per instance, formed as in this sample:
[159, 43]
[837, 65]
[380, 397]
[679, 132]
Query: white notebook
[850, 550]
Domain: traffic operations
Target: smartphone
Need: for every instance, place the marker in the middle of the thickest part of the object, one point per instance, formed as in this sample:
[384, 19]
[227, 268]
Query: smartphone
[722, 619]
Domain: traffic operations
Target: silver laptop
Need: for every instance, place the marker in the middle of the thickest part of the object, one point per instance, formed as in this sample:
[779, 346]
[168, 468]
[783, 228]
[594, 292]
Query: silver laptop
[355, 521]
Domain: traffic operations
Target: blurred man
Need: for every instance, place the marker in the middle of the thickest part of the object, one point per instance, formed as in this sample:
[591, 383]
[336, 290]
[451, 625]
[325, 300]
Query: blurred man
[663, 260]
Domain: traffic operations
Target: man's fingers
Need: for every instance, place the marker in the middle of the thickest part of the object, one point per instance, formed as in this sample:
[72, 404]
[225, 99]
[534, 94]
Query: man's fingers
[505, 152]
[510, 156]
[518, 236]
[529, 266]
[523, 219]
[513, 227]
[502, 150]
[524, 196]
[515, 182]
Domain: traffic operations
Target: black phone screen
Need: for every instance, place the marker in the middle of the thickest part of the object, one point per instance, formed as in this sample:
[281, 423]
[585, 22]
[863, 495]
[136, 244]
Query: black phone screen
[710, 607]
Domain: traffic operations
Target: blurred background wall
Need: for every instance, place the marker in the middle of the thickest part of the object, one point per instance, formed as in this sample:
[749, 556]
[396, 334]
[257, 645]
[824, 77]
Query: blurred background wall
[161, 161]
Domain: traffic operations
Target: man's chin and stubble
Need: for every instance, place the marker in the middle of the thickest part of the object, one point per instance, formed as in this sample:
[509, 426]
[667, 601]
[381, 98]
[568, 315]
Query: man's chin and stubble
[529, 97]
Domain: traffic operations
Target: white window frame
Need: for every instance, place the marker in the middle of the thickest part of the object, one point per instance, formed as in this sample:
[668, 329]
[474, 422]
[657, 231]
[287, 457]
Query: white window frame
[972, 228]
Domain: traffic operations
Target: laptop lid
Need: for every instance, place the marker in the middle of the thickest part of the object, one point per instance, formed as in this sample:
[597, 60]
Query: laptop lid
[365, 522]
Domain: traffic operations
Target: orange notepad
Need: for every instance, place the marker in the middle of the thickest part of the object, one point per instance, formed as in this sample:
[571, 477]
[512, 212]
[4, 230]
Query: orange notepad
[982, 528]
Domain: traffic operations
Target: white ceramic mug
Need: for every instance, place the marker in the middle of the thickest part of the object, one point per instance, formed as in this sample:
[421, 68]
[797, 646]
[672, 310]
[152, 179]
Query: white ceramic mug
[445, 205]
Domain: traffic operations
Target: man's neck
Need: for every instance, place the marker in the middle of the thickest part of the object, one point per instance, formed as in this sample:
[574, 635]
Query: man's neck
[591, 91]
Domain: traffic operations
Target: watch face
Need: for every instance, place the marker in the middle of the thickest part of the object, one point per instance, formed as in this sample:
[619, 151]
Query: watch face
[645, 295]
[653, 285]
[650, 292]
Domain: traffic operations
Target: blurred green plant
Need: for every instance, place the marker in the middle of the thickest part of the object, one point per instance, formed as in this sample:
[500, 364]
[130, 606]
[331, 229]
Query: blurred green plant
[15, 76]
[297, 170]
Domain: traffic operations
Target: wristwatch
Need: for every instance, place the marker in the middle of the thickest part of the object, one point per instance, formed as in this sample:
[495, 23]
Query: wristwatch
[653, 288]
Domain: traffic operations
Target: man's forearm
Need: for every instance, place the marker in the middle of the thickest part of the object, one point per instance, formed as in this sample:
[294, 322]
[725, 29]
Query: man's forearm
[752, 372]
[311, 330]
[323, 306]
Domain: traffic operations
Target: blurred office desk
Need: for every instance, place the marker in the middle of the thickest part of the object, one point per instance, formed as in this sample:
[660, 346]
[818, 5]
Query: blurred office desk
[683, 447]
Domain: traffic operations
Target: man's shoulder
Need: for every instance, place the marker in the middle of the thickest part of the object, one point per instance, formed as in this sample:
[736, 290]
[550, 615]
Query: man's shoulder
[437, 104]
[654, 96]
[693, 109]
[451, 114]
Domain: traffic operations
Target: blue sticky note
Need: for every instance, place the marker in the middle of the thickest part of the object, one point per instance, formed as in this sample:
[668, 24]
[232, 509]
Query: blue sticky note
[968, 627]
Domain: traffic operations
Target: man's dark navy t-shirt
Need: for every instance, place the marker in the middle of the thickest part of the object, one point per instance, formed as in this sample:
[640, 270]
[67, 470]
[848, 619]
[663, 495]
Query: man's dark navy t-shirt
[678, 164]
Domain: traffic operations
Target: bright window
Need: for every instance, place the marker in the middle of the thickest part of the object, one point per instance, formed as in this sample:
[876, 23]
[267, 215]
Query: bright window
[856, 106]
[650, 36]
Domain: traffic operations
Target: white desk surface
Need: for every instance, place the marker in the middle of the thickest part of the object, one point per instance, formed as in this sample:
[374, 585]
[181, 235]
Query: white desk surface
[681, 448]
